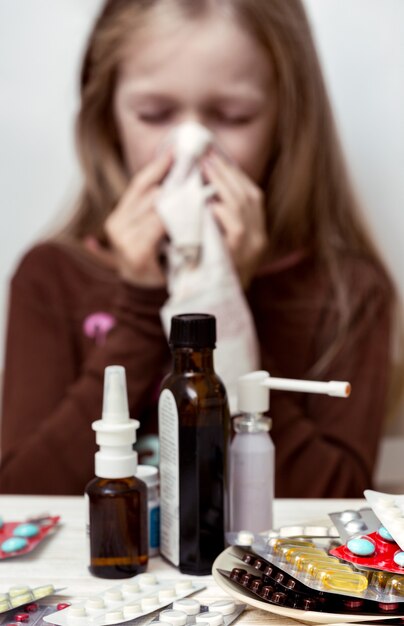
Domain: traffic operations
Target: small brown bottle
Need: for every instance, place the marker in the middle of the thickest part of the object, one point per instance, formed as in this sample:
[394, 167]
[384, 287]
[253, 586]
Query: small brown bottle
[117, 500]
[193, 431]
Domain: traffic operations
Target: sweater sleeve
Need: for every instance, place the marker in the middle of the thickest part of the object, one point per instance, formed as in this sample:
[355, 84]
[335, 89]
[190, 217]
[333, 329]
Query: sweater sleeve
[49, 397]
[326, 447]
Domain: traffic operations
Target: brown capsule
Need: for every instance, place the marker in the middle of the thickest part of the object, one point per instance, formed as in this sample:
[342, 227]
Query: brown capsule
[278, 597]
[249, 559]
[388, 607]
[269, 571]
[256, 585]
[266, 592]
[236, 573]
[259, 564]
[280, 577]
[353, 604]
[246, 579]
[308, 604]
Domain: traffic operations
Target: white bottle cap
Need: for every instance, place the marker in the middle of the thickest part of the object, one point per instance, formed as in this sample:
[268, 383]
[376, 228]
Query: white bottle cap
[115, 432]
[149, 474]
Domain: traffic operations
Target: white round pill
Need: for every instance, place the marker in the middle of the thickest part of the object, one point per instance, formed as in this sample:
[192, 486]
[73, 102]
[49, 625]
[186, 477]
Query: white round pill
[77, 611]
[225, 607]
[147, 580]
[245, 538]
[188, 605]
[113, 595]
[183, 585]
[167, 594]
[130, 588]
[113, 617]
[95, 603]
[149, 603]
[213, 618]
[129, 610]
[175, 618]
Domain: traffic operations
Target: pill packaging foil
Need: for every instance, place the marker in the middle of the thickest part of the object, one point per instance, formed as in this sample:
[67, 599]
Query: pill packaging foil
[23, 594]
[272, 585]
[18, 538]
[135, 598]
[317, 570]
[32, 615]
[353, 522]
[389, 508]
[192, 612]
[376, 551]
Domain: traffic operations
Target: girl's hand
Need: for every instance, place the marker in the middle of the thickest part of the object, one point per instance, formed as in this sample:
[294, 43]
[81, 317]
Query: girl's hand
[239, 211]
[135, 230]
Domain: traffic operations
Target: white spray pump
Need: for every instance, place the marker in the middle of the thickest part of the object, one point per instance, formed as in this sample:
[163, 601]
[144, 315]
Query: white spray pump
[116, 433]
[251, 471]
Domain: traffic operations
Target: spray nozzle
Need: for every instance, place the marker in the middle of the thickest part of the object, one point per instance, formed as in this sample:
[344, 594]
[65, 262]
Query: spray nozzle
[115, 432]
[115, 404]
[253, 389]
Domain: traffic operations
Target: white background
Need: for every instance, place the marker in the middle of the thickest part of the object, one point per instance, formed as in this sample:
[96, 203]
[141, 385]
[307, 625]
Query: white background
[41, 41]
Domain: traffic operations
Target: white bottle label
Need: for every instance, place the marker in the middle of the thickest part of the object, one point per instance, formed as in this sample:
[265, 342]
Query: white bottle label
[169, 478]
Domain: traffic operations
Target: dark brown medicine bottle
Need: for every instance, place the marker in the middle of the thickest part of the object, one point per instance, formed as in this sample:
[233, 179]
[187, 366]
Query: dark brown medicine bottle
[193, 431]
[117, 500]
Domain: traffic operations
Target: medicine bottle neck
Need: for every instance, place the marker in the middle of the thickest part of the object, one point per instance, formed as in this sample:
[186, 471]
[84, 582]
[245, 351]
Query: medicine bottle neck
[192, 360]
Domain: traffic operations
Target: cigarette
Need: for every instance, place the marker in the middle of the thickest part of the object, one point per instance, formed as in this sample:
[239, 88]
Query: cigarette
[335, 388]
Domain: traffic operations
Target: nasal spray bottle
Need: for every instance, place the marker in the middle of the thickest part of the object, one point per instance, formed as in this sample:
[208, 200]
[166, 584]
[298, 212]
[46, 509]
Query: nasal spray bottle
[251, 459]
[117, 500]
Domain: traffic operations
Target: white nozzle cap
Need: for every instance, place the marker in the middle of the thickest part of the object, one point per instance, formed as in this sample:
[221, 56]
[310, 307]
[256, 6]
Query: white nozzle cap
[115, 432]
[252, 396]
[253, 389]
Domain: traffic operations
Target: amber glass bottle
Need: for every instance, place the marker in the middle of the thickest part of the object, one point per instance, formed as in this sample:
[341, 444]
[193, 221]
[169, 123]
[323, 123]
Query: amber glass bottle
[117, 500]
[193, 430]
[118, 537]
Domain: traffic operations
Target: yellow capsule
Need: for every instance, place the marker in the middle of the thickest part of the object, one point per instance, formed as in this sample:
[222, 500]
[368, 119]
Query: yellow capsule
[277, 544]
[342, 581]
[291, 553]
[313, 567]
[395, 585]
[301, 560]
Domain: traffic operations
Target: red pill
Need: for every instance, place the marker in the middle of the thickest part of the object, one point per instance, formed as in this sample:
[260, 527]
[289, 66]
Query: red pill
[31, 608]
[62, 605]
[22, 617]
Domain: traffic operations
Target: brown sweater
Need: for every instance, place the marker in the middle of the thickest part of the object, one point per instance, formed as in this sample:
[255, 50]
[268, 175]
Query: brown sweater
[325, 447]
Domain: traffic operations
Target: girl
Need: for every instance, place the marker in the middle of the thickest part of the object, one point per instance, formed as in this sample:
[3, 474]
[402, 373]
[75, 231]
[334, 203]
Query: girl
[319, 294]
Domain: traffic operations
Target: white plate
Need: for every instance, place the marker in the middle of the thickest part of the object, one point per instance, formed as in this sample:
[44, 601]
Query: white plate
[226, 561]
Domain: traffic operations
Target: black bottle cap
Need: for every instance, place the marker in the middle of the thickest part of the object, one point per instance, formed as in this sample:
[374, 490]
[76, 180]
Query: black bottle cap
[193, 330]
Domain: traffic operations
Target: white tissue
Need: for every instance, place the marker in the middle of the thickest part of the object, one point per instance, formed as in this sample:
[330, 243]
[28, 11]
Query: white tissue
[201, 276]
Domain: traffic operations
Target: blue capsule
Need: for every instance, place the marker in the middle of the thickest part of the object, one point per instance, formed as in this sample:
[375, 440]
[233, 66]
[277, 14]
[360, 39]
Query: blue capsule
[26, 530]
[398, 559]
[384, 534]
[361, 547]
[14, 544]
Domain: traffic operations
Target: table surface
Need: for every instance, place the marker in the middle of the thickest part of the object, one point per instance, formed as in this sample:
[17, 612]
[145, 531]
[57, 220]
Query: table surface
[62, 559]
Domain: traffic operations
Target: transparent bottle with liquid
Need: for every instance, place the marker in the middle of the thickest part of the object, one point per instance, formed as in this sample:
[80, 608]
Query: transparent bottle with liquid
[193, 430]
[117, 499]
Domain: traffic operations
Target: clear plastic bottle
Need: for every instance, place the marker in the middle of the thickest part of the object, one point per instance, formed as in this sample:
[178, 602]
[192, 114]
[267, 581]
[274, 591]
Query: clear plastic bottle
[117, 500]
[193, 430]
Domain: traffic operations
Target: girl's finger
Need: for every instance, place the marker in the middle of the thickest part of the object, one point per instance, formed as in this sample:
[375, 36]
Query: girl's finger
[231, 225]
[150, 176]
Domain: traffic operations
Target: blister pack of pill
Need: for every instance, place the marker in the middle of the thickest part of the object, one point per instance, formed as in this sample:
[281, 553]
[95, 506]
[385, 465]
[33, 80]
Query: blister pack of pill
[130, 600]
[389, 508]
[17, 538]
[191, 611]
[376, 551]
[352, 522]
[31, 614]
[23, 594]
[313, 567]
[273, 585]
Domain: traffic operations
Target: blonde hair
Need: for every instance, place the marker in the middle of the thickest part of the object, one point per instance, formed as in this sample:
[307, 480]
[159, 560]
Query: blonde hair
[310, 203]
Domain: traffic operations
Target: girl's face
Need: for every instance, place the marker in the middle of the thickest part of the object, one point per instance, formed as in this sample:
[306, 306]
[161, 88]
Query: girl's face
[207, 70]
